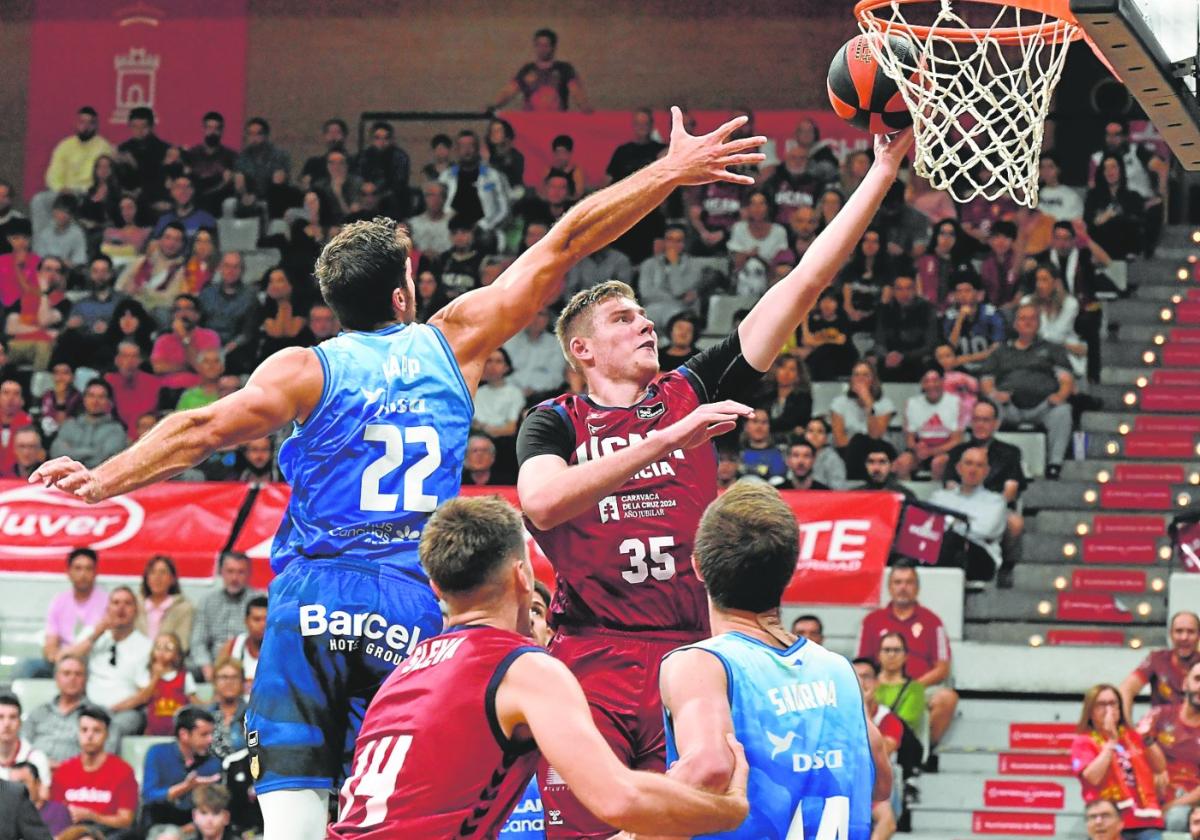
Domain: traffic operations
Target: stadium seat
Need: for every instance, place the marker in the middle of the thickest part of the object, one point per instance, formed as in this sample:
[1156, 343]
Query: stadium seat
[135, 747]
[257, 262]
[205, 691]
[823, 394]
[33, 693]
[899, 392]
[1033, 450]
[721, 309]
[238, 234]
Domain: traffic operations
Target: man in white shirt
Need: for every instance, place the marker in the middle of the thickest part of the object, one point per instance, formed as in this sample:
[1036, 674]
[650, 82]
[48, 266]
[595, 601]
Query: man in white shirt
[431, 229]
[975, 543]
[14, 750]
[932, 424]
[1055, 199]
[536, 357]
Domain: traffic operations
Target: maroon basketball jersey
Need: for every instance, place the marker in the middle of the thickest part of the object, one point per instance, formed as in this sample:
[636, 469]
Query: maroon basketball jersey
[626, 564]
[431, 759]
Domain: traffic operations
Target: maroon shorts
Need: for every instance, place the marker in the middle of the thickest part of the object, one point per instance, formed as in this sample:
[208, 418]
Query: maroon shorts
[619, 674]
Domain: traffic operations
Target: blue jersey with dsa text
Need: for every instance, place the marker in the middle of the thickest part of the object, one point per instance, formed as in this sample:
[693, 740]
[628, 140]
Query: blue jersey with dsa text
[382, 449]
[799, 714]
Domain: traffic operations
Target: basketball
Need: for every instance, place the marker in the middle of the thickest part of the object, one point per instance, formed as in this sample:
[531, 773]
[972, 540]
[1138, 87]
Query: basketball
[861, 93]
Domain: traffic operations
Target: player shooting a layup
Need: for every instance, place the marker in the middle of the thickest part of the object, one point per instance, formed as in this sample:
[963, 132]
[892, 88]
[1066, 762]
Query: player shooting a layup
[614, 483]
[380, 416]
[453, 736]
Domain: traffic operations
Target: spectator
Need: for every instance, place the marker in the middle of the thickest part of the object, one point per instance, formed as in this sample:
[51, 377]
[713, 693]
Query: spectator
[53, 727]
[879, 455]
[825, 340]
[498, 407]
[54, 815]
[556, 190]
[173, 771]
[638, 243]
[96, 435]
[29, 452]
[442, 148]
[681, 341]
[245, 647]
[184, 210]
[12, 418]
[859, 416]
[63, 238]
[230, 308]
[1057, 313]
[480, 462]
[322, 323]
[34, 321]
[210, 813]
[135, 392]
[1112, 763]
[100, 205]
[14, 749]
[759, 456]
[62, 400]
[477, 192]
[1165, 670]
[809, 627]
[669, 283]
[127, 234]
[788, 403]
[932, 425]
[536, 357]
[802, 229]
[169, 686]
[220, 614]
[8, 215]
[906, 228]
[829, 204]
[561, 163]
[210, 163]
[98, 788]
[1001, 267]
[891, 732]
[1055, 199]
[866, 281]
[176, 352]
[1077, 258]
[502, 156]
[256, 462]
[927, 647]
[828, 466]
[728, 467]
[157, 277]
[19, 818]
[258, 159]
[800, 459]
[430, 296]
[91, 314]
[333, 136]
[72, 614]
[281, 323]
[906, 333]
[340, 188]
[1175, 732]
[71, 164]
[18, 267]
[1031, 381]
[431, 229]
[896, 689]
[228, 707]
[162, 608]
[1114, 213]
[210, 366]
[1103, 820]
[1146, 172]
[142, 159]
[545, 84]
[755, 234]
[201, 262]
[458, 268]
[974, 541]
[387, 166]
[791, 185]
[972, 326]
[947, 253]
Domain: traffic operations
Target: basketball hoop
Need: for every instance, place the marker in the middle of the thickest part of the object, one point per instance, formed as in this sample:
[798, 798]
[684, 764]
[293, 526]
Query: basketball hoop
[978, 83]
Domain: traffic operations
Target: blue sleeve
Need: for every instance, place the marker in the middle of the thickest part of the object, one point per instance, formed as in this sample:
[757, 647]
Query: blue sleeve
[155, 781]
[999, 329]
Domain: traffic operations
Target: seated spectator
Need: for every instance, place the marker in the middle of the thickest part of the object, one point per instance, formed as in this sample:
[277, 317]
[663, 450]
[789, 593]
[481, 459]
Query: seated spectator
[907, 228]
[13, 748]
[562, 148]
[210, 366]
[72, 614]
[430, 297]
[244, 648]
[458, 268]
[759, 456]
[1165, 670]
[173, 771]
[169, 688]
[669, 283]
[18, 267]
[55, 815]
[947, 253]
[957, 382]
[322, 323]
[927, 647]
[1114, 213]
[681, 333]
[184, 210]
[866, 281]
[129, 322]
[258, 159]
[609, 264]
[536, 357]
[210, 164]
[809, 627]
[756, 234]
[479, 464]
[1055, 199]
[802, 229]
[94, 436]
[63, 400]
[972, 326]
[828, 466]
[12, 418]
[387, 166]
[1000, 271]
[230, 309]
[34, 321]
[53, 727]
[825, 340]
[829, 204]
[202, 262]
[63, 238]
[896, 689]
[281, 322]
[8, 214]
[256, 462]
[135, 392]
[548, 210]
[1077, 258]
[220, 614]
[333, 136]
[157, 278]
[1175, 732]
[142, 159]
[476, 192]
[92, 313]
[498, 408]
[932, 425]
[210, 813]
[228, 707]
[431, 229]
[791, 185]
[906, 333]
[1057, 313]
[176, 351]
[877, 465]
[892, 734]
[973, 543]
[800, 458]
[1031, 381]
[788, 402]
[1111, 761]
[859, 416]
[128, 233]
[162, 608]
[503, 156]
[29, 452]
[98, 788]
[340, 187]
[1103, 820]
[713, 210]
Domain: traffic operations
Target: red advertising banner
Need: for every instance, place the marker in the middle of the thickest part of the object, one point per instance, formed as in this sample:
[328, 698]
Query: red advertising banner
[1152, 444]
[189, 522]
[1136, 496]
[1035, 764]
[116, 55]
[1108, 580]
[1003, 793]
[1167, 376]
[1009, 822]
[1170, 397]
[1180, 356]
[1158, 423]
[1113, 524]
[1103, 548]
[1082, 606]
[1040, 736]
[1187, 313]
[1170, 473]
[1089, 638]
[1183, 335]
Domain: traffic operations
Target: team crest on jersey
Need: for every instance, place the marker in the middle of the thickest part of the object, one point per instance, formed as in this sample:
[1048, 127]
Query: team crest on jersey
[649, 412]
[594, 428]
[609, 509]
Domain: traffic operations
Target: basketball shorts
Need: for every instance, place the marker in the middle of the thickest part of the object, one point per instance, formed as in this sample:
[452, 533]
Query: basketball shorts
[619, 674]
[335, 630]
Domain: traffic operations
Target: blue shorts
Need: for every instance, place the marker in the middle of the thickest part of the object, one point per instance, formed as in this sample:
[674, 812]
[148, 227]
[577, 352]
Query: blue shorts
[335, 630]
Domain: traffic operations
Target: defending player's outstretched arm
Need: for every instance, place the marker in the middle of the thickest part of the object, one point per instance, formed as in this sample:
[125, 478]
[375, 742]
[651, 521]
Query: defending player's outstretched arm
[539, 692]
[781, 309]
[480, 321]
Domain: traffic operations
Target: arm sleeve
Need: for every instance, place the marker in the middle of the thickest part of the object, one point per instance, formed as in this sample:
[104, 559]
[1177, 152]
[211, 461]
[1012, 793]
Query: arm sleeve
[544, 432]
[154, 785]
[722, 373]
[127, 792]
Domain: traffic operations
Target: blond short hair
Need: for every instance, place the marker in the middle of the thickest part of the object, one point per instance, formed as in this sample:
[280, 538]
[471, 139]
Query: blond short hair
[576, 317]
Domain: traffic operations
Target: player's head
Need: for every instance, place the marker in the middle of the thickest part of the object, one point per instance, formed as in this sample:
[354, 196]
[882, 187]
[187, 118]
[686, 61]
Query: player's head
[365, 274]
[539, 613]
[473, 550]
[605, 332]
[746, 548]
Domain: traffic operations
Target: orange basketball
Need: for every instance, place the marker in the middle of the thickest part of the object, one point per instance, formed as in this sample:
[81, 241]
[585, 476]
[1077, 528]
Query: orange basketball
[861, 93]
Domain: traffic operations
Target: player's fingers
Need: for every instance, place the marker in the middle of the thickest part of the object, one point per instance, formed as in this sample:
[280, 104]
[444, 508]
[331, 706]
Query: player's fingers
[721, 428]
[742, 160]
[741, 768]
[71, 482]
[51, 471]
[676, 121]
[745, 144]
[733, 177]
[734, 407]
[728, 128]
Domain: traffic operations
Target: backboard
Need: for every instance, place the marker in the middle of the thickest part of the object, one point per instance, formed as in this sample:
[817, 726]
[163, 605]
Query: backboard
[1152, 46]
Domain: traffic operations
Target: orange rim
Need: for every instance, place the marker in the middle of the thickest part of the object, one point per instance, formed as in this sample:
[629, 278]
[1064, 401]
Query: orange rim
[1064, 27]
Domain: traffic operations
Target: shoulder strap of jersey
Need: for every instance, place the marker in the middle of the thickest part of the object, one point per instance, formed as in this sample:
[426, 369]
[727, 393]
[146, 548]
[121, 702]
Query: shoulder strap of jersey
[506, 743]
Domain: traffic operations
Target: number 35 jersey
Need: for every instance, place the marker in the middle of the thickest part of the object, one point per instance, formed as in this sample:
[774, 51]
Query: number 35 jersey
[381, 450]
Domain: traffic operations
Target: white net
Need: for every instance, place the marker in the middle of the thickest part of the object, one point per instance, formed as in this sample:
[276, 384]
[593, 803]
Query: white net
[979, 93]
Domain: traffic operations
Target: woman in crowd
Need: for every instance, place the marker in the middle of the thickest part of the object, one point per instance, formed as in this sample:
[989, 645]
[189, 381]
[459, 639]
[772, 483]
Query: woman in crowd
[201, 263]
[1112, 762]
[960, 383]
[62, 400]
[787, 402]
[498, 408]
[228, 707]
[1113, 212]
[101, 204]
[858, 416]
[281, 323]
[896, 690]
[825, 340]
[1057, 312]
[162, 608]
[828, 466]
[562, 149]
[502, 155]
[829, 204]
[755, 234]
[127, 235]
[130, 321]
[430, 296]
[866, 280]
[946, 253]
[682, 332]
[823, 162]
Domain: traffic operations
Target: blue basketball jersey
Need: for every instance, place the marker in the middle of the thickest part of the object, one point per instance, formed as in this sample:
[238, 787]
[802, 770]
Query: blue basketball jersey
[799, 714]
[382, 449]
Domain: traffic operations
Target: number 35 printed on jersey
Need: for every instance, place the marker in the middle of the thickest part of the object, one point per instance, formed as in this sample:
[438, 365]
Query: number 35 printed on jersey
[648, 559]
[393, 438]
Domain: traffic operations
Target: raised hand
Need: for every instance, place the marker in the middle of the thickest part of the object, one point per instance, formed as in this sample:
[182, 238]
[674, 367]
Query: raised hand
[707, 422]
[704, 159]
[890, 149]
